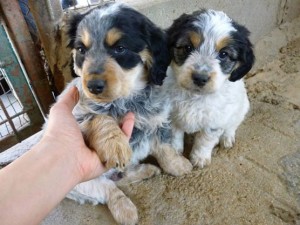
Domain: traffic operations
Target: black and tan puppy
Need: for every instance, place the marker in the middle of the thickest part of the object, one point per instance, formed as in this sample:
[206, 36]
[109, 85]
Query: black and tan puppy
[121, 59]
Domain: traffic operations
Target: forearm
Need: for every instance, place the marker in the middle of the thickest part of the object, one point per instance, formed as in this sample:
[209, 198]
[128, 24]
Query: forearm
[33, 186]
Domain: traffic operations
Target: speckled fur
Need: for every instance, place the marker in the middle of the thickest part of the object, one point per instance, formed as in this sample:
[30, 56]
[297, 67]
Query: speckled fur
[130, 65]
[210, 55]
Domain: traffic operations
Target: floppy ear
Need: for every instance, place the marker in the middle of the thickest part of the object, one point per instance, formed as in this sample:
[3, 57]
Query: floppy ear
[158, 46]
[71, 21]
[246, 56]
[70, 24]
[177, 28]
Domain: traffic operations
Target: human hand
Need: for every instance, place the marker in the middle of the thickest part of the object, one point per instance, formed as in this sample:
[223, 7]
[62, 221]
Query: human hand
[63, 133]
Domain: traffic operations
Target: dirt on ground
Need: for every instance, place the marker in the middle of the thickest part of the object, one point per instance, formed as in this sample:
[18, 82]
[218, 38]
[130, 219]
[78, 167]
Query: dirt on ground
[255, 182]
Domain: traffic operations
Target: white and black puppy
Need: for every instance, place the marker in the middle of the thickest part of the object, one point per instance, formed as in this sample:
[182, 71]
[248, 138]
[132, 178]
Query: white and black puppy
[210, 55]
[121, 59]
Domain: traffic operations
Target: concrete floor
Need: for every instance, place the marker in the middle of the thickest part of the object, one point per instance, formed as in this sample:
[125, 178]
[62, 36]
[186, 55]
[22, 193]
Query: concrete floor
[256, 182]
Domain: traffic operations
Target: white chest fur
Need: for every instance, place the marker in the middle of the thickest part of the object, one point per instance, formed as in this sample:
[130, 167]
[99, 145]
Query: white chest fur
[193, 112]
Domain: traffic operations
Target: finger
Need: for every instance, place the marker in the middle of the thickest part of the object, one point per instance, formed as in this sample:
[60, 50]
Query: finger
[70, 98]
[128, 124]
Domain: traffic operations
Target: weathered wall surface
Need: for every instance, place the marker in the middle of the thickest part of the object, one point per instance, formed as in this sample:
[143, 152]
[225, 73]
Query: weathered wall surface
[260, 17]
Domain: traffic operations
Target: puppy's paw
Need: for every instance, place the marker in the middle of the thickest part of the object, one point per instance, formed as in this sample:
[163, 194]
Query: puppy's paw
[179, 166]
[103, 134]
[115, 153]
[123, 210]
[151, 171]
[227, 141]
[200, 159]
[173, 163]
[137, 173]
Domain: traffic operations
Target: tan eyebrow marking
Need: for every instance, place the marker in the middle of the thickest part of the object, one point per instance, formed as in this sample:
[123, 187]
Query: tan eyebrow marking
[196, 38]
[222, 43]
[86, 39]
[112, 36]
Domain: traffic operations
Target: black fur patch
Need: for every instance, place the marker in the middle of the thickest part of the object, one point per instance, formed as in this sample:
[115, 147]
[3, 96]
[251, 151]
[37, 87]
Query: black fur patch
[179, 29]
[79, 59]
[244, 48]
[140, 30]
[132, 46]
[231, 60]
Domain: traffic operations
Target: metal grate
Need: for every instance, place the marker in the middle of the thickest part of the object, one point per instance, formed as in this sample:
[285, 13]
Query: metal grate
[20, 115]
[12, 116]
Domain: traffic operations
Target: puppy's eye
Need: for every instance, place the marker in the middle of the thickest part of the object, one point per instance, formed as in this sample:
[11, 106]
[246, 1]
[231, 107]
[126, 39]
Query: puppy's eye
[120, 49]
[81, 50]
[223, 55]
[188, 48]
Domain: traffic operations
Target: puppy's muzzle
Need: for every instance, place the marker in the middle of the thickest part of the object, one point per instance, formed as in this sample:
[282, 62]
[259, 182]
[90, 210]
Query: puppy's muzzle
[96, 86]
[200, 79]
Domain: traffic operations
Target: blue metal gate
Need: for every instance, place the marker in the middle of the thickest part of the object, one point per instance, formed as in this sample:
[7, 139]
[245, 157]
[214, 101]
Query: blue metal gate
[20, 115]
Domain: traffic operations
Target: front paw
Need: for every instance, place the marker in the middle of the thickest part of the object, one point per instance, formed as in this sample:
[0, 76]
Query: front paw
[103, 134]
[227, 141]
[172, 162]
[137, 173]
[115, 153]
[200, 159]
[179, 166]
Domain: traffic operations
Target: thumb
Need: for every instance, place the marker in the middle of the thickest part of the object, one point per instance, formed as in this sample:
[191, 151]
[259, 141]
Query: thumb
[128, 124]
[70, 98]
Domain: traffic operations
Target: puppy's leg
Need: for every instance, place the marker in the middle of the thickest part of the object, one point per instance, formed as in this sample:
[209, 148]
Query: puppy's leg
[178, 140]
[203, 146]
[170, 160]
[102, 190]
[122, 208]
[227, 139]
[103, 134]
[136, 173]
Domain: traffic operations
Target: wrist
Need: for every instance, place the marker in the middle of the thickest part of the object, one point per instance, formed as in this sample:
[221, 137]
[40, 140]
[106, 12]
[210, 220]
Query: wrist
[58, 158]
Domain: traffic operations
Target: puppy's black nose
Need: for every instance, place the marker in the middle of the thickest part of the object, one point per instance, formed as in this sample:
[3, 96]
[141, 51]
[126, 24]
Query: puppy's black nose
[200, 79]
[96, 86]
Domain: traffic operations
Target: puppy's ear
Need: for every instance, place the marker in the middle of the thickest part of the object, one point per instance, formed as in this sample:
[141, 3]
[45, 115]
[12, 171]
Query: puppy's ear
[246, 56]
[158, 46]
[179, 26]
[70, 24]
[71, 21]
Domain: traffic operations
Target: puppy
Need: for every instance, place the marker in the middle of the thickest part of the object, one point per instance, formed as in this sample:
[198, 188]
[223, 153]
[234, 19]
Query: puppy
[121, 59]
[210, 55]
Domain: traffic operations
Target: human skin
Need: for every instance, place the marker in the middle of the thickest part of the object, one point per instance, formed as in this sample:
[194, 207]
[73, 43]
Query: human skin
[36, 182]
